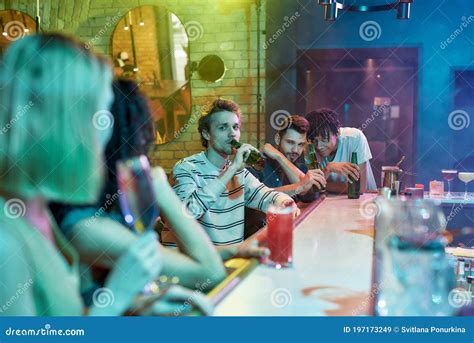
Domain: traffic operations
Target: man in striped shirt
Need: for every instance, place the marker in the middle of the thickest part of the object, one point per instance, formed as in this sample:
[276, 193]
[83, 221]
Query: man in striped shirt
[216, 191]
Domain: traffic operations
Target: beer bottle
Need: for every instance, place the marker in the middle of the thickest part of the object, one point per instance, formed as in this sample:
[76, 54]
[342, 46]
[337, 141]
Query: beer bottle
[254, 160]
[313, 163]
[353, 189]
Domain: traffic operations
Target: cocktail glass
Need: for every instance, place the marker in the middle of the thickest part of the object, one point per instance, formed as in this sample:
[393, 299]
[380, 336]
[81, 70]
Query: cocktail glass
[466, 178]
[449, 175]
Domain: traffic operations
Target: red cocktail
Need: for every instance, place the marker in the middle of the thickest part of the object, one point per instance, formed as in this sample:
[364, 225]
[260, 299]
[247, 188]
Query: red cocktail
[449, 175]
[280, 226]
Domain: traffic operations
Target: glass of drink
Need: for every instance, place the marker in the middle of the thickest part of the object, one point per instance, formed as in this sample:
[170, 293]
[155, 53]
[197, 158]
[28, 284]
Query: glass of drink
[466, 178]
[449, 175]
[280, 225]
[136, 195]
[413, 273]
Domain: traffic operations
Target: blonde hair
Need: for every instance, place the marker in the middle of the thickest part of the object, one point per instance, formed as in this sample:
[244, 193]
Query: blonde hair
[50, 89]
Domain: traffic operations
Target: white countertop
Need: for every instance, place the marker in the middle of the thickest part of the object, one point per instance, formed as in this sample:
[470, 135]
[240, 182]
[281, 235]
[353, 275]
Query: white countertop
[331, 273]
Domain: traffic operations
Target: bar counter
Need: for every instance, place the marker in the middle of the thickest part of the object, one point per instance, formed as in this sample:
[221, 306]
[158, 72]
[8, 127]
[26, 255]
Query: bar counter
[332, 267]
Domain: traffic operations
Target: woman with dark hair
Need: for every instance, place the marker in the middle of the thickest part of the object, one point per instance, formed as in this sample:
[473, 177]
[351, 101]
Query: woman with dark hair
[99, 231]
[133, 132]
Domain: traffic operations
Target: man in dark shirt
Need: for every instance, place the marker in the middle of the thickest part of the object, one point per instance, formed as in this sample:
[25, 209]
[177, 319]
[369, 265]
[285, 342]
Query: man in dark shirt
[284, 168]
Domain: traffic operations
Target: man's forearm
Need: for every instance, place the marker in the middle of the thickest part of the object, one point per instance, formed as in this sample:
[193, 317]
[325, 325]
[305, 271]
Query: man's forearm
[291, 190]
[101, 242]
[293, 174]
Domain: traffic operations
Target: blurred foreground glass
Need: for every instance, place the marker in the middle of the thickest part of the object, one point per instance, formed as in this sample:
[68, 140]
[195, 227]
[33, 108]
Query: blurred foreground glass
[280, 225]
[138, 204]
[413, 274]
[137, 198]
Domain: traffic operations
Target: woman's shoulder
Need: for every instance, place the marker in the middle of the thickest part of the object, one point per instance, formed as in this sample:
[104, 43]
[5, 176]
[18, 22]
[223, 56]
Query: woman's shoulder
[15, 246]
[11, 240]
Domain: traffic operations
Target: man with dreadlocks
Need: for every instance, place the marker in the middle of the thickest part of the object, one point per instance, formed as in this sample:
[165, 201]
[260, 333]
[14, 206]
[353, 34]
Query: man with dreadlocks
[334, 146]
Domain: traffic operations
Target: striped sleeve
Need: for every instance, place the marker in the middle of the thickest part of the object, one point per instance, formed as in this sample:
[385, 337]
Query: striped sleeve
[197, 200]
[258, 196]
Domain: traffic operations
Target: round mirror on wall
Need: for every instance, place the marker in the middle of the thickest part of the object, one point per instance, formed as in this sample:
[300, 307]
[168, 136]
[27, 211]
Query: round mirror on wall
[14, 25]
[150, 45]
[211, 68]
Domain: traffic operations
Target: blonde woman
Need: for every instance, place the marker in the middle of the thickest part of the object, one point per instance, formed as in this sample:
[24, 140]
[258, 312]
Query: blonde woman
[52, 89]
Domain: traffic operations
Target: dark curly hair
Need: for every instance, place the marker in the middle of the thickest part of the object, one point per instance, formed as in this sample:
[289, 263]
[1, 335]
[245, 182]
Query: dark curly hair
[133, 131]
[323, 122]
[217, 105]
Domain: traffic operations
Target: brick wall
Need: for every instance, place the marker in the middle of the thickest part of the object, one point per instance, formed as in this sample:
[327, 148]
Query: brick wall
[227, 28]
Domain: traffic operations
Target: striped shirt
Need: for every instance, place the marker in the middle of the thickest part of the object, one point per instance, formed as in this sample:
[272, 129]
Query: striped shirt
[220, 210]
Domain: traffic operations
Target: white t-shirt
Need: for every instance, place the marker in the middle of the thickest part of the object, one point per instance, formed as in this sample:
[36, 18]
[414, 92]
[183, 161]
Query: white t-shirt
[352, 140]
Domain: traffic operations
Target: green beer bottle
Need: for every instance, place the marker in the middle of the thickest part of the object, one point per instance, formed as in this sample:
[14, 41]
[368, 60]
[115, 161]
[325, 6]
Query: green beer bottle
[312, 163]
[254, 160]
[353, 189]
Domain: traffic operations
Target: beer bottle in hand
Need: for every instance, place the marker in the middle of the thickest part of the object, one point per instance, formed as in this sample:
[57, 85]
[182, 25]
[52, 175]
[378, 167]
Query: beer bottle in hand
[312, 163]
[254, 160]
[353, 189]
